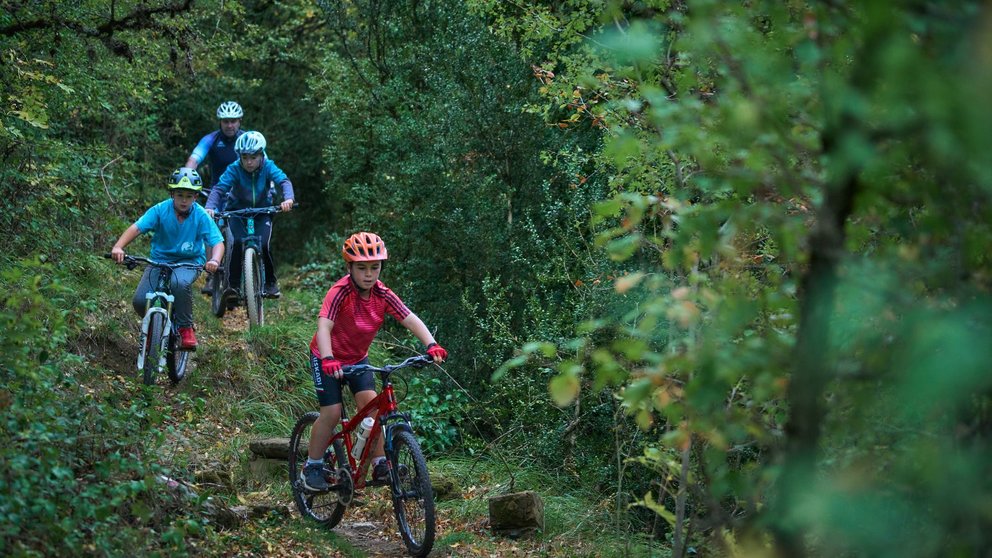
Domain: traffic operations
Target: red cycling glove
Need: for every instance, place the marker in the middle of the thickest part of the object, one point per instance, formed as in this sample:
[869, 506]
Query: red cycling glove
[437, 351]
[330, 366]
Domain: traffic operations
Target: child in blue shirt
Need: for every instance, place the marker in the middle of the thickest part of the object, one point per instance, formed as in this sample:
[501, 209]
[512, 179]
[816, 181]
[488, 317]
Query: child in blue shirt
[247, 180]
[180, 227]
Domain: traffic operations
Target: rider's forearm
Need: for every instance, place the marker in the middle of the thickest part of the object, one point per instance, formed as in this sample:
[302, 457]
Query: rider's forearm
[192, 163]
[217, 252]
[287, 189]
[324, 327]
[213, 199]
[127, 236]
[418, 328]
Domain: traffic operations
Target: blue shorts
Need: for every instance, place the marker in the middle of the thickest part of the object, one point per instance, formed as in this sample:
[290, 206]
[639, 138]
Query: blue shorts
[329, 388]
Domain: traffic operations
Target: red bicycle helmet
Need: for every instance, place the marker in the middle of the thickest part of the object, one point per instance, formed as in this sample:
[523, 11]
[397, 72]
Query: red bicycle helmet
[364, 247]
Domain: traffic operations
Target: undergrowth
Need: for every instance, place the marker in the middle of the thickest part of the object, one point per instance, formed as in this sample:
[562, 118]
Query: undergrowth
[87, 447]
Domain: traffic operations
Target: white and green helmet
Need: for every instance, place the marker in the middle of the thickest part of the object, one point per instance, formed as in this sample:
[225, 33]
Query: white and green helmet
[250, 143]
[229, 109]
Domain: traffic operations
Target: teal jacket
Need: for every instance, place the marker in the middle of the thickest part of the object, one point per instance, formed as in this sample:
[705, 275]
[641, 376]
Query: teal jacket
[249, 189]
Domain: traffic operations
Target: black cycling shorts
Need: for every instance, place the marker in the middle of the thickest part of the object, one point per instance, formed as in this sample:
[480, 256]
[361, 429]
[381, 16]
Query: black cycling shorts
[329, 388]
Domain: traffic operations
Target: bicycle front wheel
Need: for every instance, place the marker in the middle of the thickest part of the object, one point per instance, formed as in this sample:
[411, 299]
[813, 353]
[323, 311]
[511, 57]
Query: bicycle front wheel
[413, 497]
[253, 288]
[153, 347]
[324, 508]
[177, 359]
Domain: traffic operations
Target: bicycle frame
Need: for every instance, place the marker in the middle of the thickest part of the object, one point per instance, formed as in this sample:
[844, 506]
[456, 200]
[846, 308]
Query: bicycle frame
[250, 240]
[382, 409]
[165, 299]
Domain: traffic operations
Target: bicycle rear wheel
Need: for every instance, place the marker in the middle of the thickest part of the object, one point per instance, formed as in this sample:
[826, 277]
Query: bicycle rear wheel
[218, 304]
[413, 498]
[153, 347]
[176, 360]
[324, 508]
[253, 288]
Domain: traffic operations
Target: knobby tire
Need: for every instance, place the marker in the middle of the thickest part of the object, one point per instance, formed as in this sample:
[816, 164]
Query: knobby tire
[323, 508]
[413, 497]
[156, 327]
[218, 304]
[253, 288]
[177, 360]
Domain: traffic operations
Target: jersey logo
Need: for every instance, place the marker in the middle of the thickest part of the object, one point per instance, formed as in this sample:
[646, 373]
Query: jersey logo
[186, 248]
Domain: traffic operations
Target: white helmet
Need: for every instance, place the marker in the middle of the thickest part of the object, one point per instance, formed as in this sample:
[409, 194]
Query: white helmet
[250, 142]
[229, 109]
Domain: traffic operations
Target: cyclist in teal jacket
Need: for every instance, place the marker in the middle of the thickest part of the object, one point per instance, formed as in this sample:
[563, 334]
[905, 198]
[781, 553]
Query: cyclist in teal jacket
[245, 184]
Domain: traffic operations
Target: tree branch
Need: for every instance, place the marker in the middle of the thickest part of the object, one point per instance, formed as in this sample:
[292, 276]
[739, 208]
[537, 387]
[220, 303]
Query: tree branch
[140, 18]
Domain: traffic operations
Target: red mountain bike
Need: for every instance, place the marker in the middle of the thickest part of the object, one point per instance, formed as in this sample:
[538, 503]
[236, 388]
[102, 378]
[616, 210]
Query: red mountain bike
[410, 484]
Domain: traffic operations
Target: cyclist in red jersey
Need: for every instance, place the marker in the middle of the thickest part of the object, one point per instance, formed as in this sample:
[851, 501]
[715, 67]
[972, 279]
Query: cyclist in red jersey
[353, 311]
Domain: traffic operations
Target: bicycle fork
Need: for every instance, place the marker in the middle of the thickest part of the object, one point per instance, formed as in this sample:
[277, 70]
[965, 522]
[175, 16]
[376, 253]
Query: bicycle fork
[166, 329]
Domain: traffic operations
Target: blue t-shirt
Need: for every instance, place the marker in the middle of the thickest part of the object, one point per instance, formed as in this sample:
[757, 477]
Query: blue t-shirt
[175, 242]
[219, 150]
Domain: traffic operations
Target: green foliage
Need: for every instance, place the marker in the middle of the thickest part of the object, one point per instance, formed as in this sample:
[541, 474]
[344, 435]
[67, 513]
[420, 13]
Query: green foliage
[437, 411]
[729, 258]
[74, 478]
[444, 164]
[765, 158]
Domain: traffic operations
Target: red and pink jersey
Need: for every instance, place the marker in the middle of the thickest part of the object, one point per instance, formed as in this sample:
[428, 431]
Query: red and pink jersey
[356, 320]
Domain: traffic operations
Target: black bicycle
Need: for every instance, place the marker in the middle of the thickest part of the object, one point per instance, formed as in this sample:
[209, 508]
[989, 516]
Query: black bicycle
[160, 346]
[223, 297]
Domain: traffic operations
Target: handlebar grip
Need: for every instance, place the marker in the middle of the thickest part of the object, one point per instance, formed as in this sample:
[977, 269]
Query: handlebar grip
[355, 369]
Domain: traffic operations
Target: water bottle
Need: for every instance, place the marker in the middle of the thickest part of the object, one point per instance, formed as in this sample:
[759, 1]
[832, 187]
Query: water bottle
[364, 430]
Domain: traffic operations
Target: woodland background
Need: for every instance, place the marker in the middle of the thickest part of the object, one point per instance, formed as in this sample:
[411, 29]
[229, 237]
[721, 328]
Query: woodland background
[715, 274]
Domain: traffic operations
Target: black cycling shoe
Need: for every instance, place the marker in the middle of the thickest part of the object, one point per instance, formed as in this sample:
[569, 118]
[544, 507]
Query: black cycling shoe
[232, 297]
[313, 479]
[271, 291]
[380, 472]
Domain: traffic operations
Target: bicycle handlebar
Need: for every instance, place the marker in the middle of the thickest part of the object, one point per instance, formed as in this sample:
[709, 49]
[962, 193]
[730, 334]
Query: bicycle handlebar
[251, 211]
[418, 361]
[132, 261]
